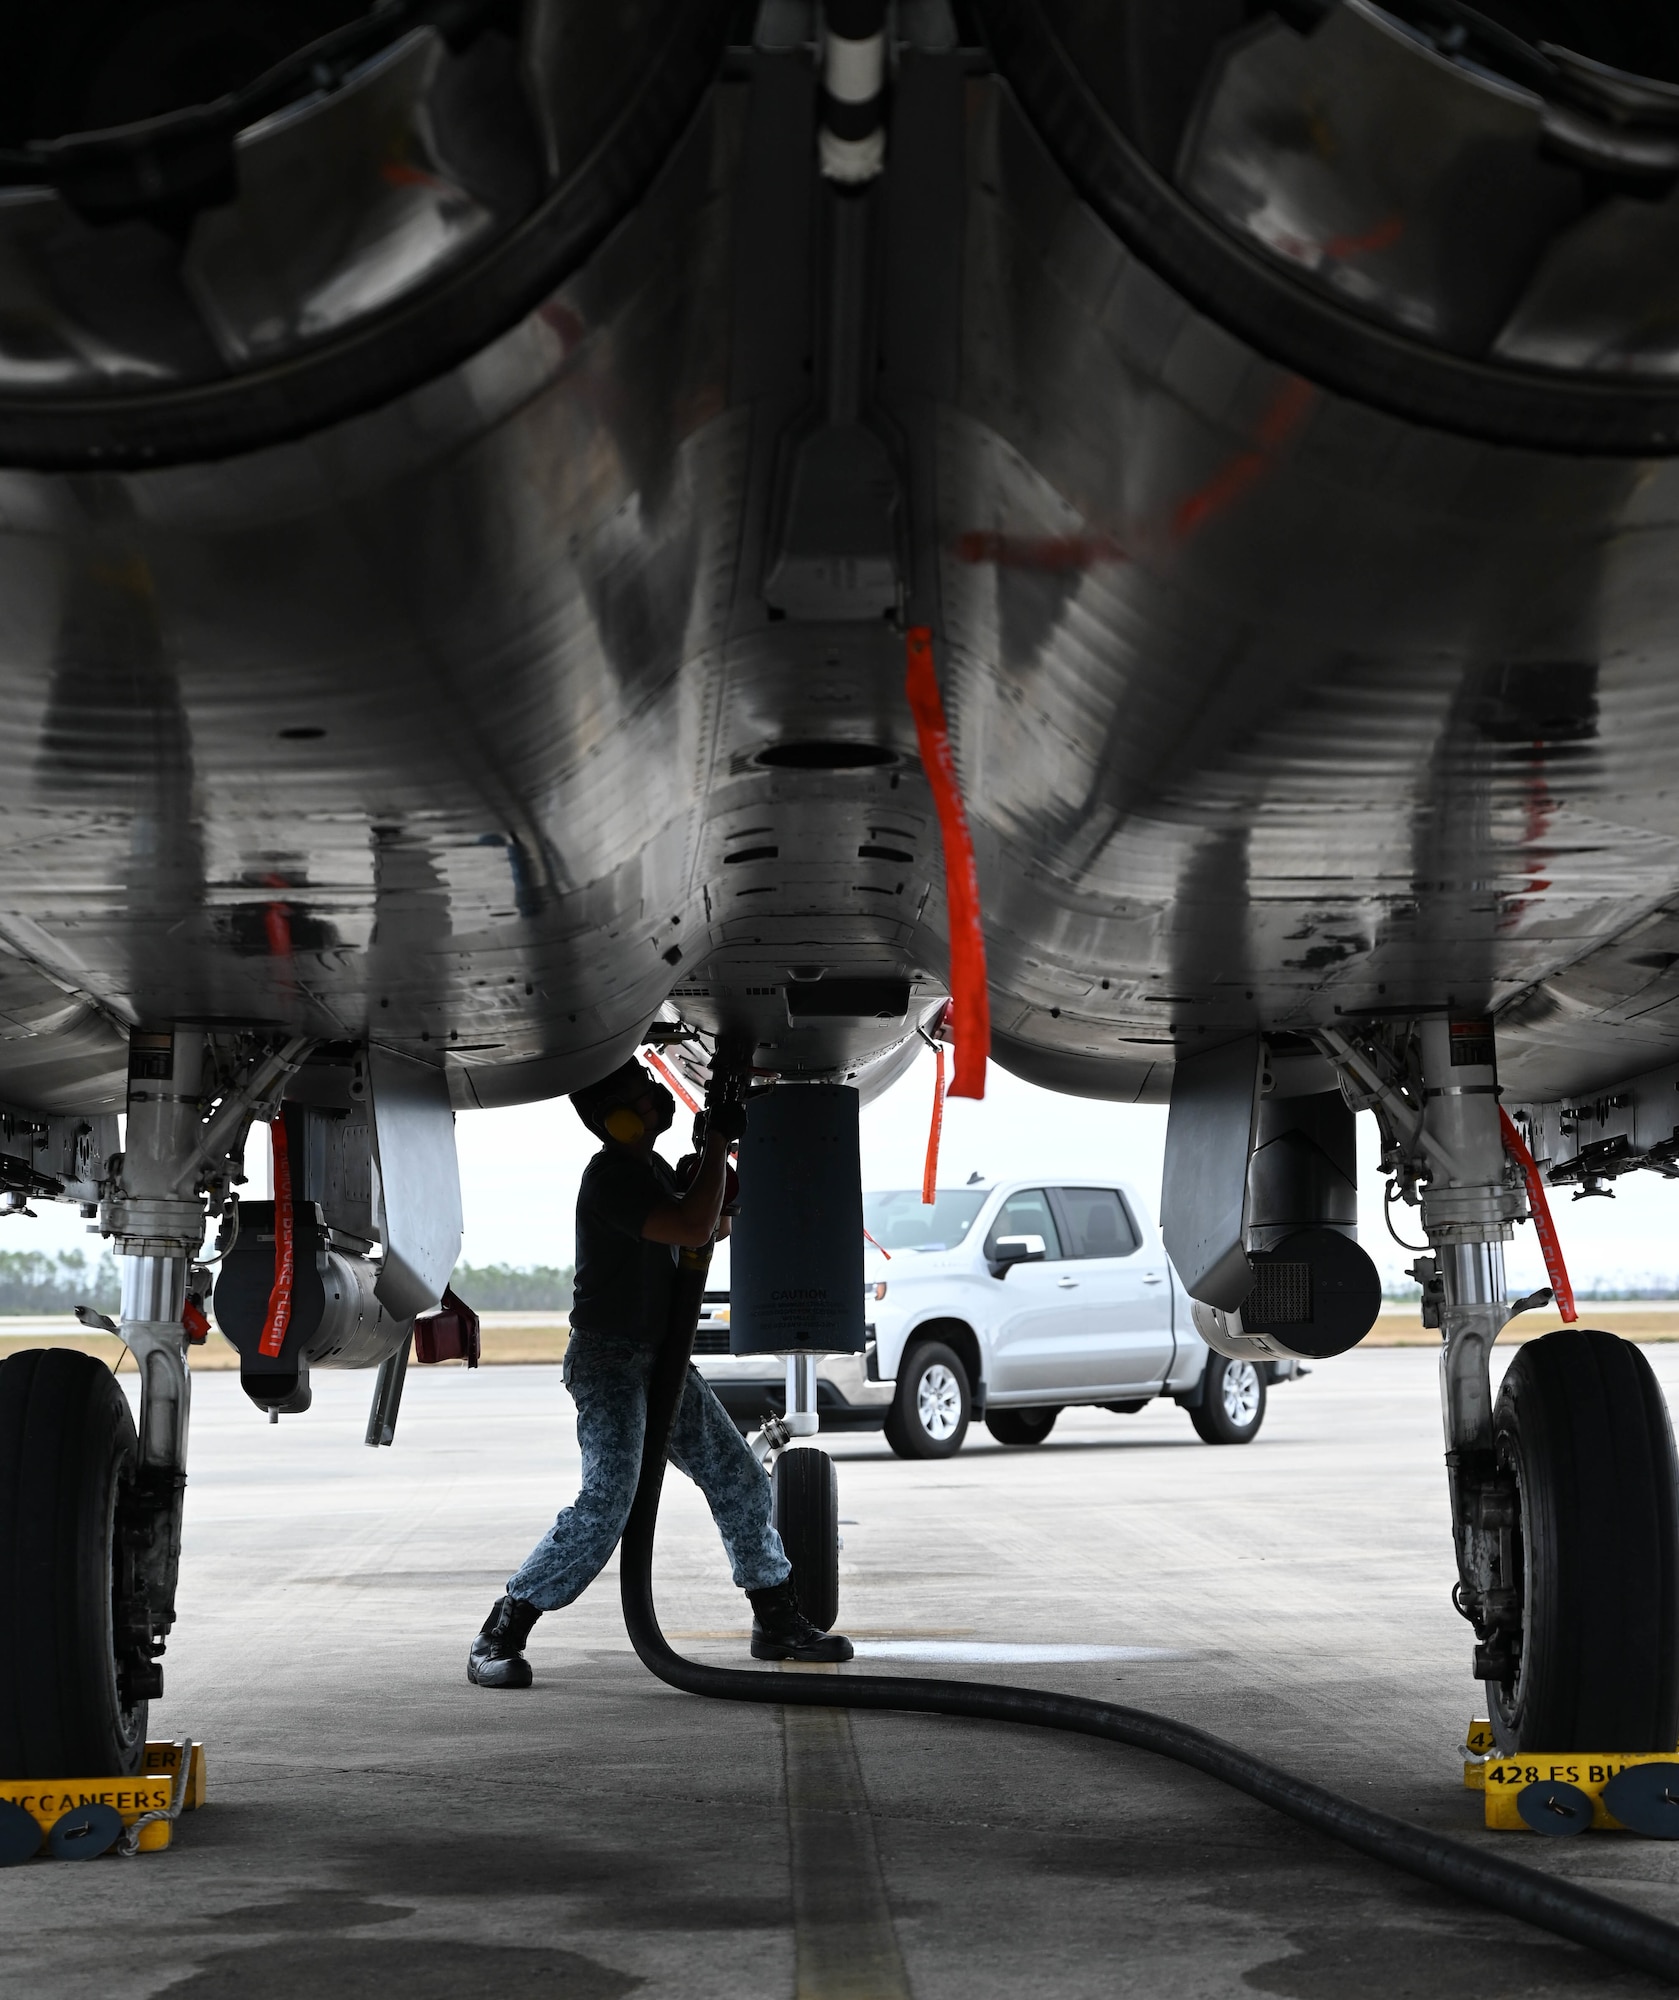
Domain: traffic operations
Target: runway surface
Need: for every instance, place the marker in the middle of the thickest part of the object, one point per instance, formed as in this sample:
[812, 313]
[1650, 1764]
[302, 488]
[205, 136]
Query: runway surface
[377, 1826]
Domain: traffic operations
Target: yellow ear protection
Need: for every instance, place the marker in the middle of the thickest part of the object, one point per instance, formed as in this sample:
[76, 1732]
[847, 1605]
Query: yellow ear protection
[624, 1125]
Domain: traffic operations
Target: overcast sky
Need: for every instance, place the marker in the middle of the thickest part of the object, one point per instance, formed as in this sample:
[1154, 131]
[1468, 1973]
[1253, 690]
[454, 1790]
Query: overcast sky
[519, 1173]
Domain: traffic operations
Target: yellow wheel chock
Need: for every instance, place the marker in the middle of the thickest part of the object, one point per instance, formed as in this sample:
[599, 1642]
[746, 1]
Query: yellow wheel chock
[1574, 1791]
[81, 1815]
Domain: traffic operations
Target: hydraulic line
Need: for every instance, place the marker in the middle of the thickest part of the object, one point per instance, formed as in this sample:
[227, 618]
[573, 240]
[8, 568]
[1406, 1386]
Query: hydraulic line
[1578, 1914]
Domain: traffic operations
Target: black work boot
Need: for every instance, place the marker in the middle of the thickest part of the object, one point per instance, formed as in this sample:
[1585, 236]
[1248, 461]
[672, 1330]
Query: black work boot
[781, 1631]
[497, 1659]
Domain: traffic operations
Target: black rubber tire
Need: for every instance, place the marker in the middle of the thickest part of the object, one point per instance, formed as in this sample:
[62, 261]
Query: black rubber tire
[806, 1496]
[906, 1433]
[1212, 1421]
[1021, 1426]
[1582, 1424]
[68, 1452]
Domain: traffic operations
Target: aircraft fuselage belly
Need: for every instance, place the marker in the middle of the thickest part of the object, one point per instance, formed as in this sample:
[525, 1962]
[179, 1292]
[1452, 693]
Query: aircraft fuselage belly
[445, 724]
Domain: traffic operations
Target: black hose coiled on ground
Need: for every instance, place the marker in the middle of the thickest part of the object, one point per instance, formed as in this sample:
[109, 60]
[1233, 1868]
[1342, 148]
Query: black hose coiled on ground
[1581, 1915]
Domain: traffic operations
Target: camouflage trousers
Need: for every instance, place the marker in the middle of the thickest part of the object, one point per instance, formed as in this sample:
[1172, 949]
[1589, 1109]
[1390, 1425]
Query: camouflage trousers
[608, 1383]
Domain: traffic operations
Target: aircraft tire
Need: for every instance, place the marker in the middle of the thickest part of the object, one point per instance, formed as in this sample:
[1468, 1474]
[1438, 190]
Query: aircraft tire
[68, 1451]
[1583, 1427]
[1232, 1405]
[1021, 1426]
[930, 1411]
[806, 1513]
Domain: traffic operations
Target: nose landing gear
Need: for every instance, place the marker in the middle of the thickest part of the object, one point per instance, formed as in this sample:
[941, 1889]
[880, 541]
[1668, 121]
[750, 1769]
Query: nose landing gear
[797, 1290]
[806, 1492]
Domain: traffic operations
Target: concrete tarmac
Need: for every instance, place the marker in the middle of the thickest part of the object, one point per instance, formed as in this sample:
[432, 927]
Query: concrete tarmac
[378, 1826]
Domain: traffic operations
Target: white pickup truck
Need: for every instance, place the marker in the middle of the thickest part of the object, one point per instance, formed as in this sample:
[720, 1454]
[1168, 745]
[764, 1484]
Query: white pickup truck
[1009, 1302]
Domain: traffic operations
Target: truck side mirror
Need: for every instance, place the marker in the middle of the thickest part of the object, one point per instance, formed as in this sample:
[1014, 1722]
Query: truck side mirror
[1008, 1251]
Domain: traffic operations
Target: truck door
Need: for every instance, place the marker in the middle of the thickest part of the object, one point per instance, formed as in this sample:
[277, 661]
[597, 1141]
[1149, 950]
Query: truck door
[1035, 1310]
[1124, 1292]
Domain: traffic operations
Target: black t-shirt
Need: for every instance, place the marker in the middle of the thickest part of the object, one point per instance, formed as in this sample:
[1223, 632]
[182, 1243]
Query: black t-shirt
[621, 1290]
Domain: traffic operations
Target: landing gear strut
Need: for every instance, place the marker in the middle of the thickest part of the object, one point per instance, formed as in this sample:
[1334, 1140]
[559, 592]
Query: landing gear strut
[805, 1496]
[1565, 1494]
[796, 1285]
[90, 1508]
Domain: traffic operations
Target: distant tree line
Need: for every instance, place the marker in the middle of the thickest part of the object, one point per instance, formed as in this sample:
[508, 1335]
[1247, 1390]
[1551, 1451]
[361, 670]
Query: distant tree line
[513, 1287]
[32, 1282]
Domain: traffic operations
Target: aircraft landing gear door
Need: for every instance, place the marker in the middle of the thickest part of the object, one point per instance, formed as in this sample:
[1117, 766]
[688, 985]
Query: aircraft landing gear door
[1036, 1338]
[1125, 1294]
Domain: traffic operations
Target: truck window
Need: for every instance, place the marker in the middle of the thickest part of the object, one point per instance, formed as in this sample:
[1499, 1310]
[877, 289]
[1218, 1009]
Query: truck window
[1026, 1214]
[1098, 1224]
[898, 1219]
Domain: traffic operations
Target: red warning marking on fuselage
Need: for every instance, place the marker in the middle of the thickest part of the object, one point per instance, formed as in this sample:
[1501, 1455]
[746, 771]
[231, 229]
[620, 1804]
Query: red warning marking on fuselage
[1075, 554]
[1055, 553]
[403, 174]
[1281, 420]
[1383, 237]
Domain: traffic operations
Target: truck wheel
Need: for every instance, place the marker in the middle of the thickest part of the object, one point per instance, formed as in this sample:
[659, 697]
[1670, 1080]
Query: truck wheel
[68, 1454]
[1582, 1429]
[1232, 1406]
[806, 1513]
[929, 1413]
[1021, 1426]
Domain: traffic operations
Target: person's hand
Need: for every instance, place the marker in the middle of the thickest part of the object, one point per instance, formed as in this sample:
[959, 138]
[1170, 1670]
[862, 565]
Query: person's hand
[726, 1121]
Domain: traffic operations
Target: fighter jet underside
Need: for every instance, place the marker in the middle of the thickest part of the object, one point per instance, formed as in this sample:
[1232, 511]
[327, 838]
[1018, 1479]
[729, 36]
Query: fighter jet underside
[474, 473]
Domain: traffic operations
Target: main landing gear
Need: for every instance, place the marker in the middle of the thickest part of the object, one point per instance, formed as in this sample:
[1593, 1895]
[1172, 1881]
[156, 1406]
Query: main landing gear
[76, 1665]
[90, 1505]
[1586, 1489]
[1565, 1492]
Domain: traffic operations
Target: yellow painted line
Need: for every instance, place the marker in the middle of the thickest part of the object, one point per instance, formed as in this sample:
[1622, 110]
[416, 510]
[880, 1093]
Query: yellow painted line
[845, 1945]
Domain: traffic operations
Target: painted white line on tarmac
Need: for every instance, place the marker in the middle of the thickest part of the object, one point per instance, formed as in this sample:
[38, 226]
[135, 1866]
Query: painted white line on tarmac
[980, 1653]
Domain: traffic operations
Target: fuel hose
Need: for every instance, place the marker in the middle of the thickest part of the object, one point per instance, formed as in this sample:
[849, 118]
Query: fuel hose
[1579, 1914]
